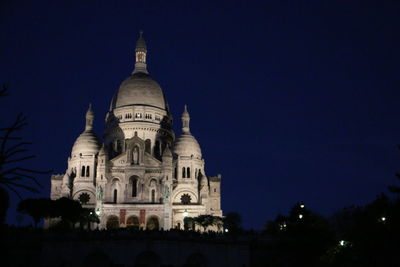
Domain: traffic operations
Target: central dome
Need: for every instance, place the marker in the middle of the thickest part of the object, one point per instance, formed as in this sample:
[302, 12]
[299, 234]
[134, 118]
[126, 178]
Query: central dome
[139, 89]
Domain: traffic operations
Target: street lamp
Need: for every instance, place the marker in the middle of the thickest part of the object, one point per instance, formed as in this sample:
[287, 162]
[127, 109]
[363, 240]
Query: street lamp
[185, 213]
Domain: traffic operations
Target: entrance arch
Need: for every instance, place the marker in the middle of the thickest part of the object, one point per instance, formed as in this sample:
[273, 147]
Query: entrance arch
[133, 222]
[112, 222]
[152, 223]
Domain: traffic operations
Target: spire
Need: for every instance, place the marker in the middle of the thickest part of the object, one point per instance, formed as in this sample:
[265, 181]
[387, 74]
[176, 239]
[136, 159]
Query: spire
[185, 121]
[140, 55]
[89, 118]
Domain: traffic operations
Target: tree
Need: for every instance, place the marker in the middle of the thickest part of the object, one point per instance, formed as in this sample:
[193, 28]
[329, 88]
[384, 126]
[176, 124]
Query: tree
[232, 221]
[13, 151]
[205, 221]
[87, 217]
[69, 210]
[37, 208]
[304, 236]
[394, 188]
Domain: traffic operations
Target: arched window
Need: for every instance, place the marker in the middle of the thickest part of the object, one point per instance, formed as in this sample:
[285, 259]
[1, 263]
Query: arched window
[87, 171]
[188, 172]
[148, 146]
[153, 196]
[183, 173]
[115, 196]
[83, 171]
[118, 146]
[134, 186]
[157, 152]
[175, 172]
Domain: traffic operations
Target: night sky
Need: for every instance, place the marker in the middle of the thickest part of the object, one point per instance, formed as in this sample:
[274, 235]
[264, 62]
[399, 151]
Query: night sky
[290, 100]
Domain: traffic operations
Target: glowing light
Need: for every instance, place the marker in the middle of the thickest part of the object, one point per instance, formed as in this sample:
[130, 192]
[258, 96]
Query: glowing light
[383, 219]
[98, 211]
[185, 213]
[302, 206]
[300, 216]
[342, 242]
[226, 230]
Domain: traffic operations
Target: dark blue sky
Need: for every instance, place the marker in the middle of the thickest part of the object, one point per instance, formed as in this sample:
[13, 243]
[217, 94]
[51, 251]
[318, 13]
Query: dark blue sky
[290, 100]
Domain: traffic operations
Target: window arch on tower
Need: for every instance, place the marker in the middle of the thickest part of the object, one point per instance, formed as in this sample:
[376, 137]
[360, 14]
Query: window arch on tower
[87, 171]
[157, 152]
[183, 172]
[188, 172]
[153, 196]
[147, 144]
[118, 146]
[83, 171]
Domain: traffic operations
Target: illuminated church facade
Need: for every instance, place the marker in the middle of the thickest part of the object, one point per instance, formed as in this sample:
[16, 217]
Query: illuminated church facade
[140, 174]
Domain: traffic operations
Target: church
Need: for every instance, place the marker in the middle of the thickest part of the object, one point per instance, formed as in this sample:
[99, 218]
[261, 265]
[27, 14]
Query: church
[140, 174]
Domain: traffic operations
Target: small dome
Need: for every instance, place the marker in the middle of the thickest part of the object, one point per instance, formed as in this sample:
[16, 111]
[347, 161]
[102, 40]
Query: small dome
[86, 144]
[139, 89]
[187, 145]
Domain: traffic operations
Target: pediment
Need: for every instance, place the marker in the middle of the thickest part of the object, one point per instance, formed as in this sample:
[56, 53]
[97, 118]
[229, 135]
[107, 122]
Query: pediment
[119, 160]
[149, 160]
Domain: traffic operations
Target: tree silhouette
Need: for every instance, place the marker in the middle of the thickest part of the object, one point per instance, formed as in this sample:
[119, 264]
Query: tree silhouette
[303, 236]
[232, 221]
[394, 188]
[207, 220]
[37, 208]
[13, 151]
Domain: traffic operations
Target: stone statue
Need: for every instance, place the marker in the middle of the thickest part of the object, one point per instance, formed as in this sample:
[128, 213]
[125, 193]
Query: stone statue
[135, 156]
[99, 192]
[166, 191]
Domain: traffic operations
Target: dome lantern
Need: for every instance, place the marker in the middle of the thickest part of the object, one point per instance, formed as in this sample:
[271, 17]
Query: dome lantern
[89, 119]
[185, 121]
[140, 55]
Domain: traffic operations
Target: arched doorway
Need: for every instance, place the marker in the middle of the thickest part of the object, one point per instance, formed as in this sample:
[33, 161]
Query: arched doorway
[148, 259]
[112, 222]
[133, 222]
[152, 223]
